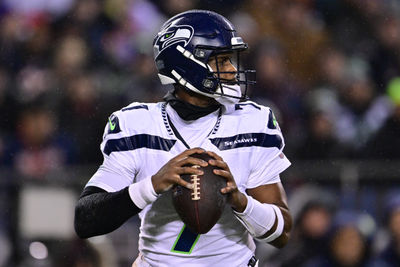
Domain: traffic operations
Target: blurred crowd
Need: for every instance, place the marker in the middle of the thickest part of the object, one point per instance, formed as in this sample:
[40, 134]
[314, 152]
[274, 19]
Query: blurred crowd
[330, 70]
[325, 236]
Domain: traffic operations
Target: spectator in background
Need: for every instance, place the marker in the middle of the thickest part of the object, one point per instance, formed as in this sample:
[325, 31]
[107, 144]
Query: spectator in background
[332, 68]
[276, 85]
[37, 39]
[88, 20]
[385, 59]
[83, 113]
[310, 234]
[386, 143]
[390, 256]
[247, 27]
[350, 104]
[360, 113]
[8, 107]
[134, 24]
[55, 8]
[355, 111]
[298, 31]
[321, 105]
[38, 148]
[71, 58]
[34, 84]
[173, 7]
[81, 254]
[11, 31]
[143, 76]
[380, 25]
[348, 243]
[320, 142]
[331, 76]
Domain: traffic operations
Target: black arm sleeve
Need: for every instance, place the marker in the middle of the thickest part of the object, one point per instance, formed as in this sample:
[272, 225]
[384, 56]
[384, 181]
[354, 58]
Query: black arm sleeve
[99, 212]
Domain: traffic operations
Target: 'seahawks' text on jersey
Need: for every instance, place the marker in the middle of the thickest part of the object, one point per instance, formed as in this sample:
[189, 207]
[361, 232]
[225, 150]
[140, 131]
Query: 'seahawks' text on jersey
[138, 141]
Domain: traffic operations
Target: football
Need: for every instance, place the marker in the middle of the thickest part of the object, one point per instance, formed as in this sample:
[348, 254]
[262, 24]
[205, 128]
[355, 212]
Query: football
[200, 207]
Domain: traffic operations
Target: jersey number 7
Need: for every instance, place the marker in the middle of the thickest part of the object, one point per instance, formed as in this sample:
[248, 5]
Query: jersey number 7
[185, 241]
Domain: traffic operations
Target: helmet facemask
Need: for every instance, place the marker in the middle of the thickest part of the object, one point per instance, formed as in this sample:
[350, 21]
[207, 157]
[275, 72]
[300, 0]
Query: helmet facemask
[216, 82]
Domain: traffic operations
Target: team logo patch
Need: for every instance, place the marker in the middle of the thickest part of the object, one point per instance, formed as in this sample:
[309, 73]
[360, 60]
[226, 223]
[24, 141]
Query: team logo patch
[113, 124]
[171, 35]
[272, 122]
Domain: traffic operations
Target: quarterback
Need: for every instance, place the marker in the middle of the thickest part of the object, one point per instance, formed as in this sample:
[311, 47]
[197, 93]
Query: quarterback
[147, 146]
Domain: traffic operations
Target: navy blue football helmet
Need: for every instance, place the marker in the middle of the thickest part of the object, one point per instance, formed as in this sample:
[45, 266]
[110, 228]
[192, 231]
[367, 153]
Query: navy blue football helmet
[186, 43]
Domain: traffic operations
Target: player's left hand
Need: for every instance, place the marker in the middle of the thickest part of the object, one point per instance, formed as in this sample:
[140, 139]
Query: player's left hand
[236, 199]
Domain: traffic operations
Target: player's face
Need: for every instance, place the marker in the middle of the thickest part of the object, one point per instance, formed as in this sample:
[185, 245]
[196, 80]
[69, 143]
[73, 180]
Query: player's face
[224, 63]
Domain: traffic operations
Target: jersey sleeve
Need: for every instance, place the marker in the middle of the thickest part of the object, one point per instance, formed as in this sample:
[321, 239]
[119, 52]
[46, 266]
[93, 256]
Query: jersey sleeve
[118, 168]
[268, 161]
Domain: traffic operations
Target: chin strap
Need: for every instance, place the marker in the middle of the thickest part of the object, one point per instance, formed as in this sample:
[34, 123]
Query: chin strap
[227, 100]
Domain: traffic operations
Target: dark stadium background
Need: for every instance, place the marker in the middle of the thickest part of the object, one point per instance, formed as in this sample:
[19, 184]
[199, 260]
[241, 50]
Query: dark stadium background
[330, 70]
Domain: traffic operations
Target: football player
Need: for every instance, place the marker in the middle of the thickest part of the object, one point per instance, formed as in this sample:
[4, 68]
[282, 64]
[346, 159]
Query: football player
[147, 146]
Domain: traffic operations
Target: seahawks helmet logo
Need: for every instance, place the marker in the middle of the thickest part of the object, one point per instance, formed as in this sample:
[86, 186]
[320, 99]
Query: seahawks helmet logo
[171, 35]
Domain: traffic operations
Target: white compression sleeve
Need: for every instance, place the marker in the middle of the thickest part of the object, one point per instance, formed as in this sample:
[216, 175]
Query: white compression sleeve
[258, 218]
[142, 193]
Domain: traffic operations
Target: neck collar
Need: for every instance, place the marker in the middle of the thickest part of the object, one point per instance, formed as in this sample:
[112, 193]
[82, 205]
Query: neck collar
[187, 111]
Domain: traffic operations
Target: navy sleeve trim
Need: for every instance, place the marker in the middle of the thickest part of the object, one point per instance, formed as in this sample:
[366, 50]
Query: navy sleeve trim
[138, 141]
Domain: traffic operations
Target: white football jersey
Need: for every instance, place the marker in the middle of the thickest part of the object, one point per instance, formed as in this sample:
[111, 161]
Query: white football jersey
[138, 141]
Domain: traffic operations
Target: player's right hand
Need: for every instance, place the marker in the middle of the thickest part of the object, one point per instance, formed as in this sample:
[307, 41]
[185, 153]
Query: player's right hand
[170, 173]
